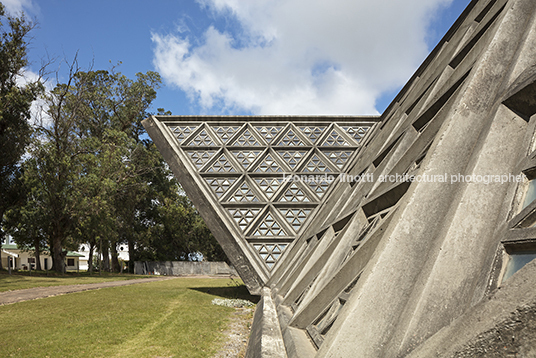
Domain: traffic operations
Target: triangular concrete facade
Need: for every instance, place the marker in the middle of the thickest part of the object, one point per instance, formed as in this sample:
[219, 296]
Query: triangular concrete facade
[410, 249]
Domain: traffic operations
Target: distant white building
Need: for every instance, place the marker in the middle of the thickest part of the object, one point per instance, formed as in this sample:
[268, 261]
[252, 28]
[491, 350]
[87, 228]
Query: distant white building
[122, 251]
[23, 260]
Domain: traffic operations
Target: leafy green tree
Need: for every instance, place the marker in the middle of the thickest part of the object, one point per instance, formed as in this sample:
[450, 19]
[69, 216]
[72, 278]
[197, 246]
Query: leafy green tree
[94, 177]
[15, 103]
[117, 157]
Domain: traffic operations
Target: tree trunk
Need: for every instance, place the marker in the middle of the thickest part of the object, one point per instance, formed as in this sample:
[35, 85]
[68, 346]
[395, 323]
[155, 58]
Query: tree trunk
[57, 256]
[2, 234]
[90, 258]
[115, 257]
[131, 256]
[37, 254]
[105, 255]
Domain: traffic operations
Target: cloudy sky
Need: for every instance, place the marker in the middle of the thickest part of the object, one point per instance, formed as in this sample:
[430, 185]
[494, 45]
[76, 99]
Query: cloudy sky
[248, 56]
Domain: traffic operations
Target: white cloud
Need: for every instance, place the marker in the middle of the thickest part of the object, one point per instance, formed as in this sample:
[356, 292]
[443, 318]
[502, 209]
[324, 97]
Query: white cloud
[298, 56]
[16, 7]
[39, 108]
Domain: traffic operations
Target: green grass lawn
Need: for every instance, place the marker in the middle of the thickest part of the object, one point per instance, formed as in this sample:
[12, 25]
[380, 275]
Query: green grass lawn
[18, 281]
[172, 318]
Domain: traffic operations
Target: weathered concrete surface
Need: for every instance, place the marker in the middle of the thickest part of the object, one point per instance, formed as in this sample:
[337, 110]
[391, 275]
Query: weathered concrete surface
[504, 325]
[266, 340]
[181, 268]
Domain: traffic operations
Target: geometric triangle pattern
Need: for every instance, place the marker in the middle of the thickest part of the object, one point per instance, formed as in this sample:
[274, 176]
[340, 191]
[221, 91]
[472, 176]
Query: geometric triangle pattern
[269, 226]
[268, 165]
[247, 139]
[245, 157]
[335, 138]
[317, 165]
[295, 216]
[295, 193]
[269, 186]
[319, 186]
[182, 132]
[313, 133]
[338, 157]
[270, 252]
[269, 133]
[225, 132]
[290, 139]
[200, 157]
[292, 157]
[220, 185]
[243, 216]
[221, 165]
[202, 139]
[357, 132]
[247, 173]
[243, 194]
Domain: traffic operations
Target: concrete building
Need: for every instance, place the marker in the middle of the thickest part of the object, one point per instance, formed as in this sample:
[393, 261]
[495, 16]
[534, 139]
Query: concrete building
[410, 234]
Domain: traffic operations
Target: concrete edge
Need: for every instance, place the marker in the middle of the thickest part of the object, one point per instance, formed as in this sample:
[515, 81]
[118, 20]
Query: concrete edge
[266, 340]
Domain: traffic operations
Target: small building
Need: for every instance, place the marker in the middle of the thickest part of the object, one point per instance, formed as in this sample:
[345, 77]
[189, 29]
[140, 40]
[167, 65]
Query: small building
[22, 260]
[122, 252]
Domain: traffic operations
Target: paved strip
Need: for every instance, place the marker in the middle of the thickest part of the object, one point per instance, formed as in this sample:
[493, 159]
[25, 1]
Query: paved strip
[9, 297]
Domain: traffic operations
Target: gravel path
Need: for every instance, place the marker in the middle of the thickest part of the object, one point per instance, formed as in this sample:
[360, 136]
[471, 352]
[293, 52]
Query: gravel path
[10, 297]
[237, 334]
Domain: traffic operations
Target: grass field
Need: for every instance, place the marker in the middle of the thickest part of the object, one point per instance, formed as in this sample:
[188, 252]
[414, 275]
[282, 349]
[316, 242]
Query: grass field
[17, 281]
[172, 318]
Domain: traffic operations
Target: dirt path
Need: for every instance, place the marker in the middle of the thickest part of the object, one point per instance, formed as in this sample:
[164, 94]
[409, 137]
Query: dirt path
[10, 297]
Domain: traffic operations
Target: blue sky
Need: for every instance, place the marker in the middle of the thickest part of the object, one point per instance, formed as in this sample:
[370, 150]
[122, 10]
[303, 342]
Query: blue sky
[248, 57]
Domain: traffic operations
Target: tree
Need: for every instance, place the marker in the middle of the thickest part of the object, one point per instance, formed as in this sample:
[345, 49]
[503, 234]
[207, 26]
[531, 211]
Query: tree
[92, 176]
[86, 154]
[15, 103]
[117, 156]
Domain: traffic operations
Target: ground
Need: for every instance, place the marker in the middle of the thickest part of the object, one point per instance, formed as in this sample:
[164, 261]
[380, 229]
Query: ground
[236, 335]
